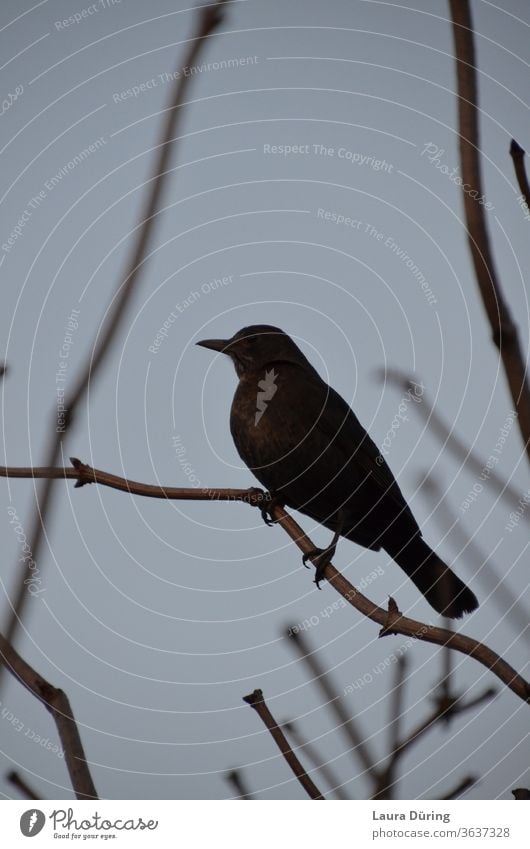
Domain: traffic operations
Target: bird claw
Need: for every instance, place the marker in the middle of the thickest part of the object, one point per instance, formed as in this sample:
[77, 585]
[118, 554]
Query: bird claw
[270, 502]
[321, 556]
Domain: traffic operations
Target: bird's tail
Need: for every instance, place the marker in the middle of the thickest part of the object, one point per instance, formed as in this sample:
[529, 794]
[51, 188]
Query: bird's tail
[444, 590]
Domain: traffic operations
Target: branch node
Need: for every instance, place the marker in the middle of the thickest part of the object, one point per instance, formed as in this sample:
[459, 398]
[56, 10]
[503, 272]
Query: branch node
[392, 616]
[85, 472]
[253, 699]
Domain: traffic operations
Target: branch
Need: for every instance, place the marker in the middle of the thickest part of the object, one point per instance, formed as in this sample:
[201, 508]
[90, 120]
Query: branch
[312, 755]
[465, 784]
[235, 778]
[84, 474]
[56, 702]
[444, 709]
[322, 679]
[391, 620]
[451, 441]
[517, 154]
[17, 781]
[209, 17]
[256, 701]
[485, 571]
[504, 330]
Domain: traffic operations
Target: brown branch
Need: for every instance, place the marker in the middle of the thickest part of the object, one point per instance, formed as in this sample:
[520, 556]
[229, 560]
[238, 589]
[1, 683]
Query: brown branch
[484, 570]
[504, 329]
[256, 701]
[209, 17]
[316, 760]
[235, 778]
[461, 787]
[392, 620]
[517, 153]
[346, 722]
[449, 439]
[22, 785]
[56, 702]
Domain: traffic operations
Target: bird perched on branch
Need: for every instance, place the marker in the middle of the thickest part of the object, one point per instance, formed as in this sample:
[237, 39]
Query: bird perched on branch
[306, 446]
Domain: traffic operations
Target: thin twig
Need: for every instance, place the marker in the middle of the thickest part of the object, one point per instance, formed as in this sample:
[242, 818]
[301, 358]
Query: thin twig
[450, 440]
[517, 153]
[504, 330]
[461, 787]
[256, 701]
[356, 737]
[392, 620]
[22, 785]
[209, 17]
[388, 778]
[56, 702]
[484, 570]
[235, 778]
[443, 710]
[312, 755]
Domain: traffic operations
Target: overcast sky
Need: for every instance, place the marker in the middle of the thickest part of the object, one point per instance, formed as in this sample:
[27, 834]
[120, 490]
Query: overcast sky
[307, 191]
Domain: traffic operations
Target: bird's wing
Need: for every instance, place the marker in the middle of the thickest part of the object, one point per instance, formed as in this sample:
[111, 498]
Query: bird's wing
[339, 424]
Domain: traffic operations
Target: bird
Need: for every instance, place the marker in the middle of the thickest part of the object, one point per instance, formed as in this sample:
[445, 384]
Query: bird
[306, 446]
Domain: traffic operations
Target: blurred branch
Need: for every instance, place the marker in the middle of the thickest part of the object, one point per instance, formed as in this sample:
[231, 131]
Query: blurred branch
[56, 702]
[504, 330]
[521, 793]
[391, 620]
[388, 780]
[235, 778]
[208, 18]
[488, 574]
[450, 440]
[444, 709]
[313, 756]
[517, 154]
[256, 701]
[347, 723]
[17, 781]
[465, 784]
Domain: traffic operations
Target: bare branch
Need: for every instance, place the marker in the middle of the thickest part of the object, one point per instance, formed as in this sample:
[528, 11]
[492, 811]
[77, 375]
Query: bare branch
[517, 153]
[461, 787]
[504, 329]
[256, 701]
[484, 571]
[346, 722]
[392, 620]
[209, 17]
[22, 786]
[521, 793]
[451, 441]
[316, 760]
[56, 702]
[235, 778]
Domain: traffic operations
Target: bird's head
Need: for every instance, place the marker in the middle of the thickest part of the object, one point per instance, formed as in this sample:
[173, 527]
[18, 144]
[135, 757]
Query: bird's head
[256, 347]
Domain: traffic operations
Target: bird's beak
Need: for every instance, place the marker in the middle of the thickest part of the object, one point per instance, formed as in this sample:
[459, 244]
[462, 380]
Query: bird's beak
[220, 345]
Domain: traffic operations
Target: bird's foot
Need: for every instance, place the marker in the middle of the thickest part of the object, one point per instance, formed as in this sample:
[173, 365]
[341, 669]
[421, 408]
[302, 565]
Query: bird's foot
[270, 501]
[320, 557]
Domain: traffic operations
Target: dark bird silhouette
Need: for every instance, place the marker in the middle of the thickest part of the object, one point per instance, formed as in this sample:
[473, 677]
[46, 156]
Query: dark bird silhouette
[306, 446]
